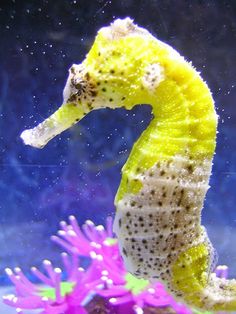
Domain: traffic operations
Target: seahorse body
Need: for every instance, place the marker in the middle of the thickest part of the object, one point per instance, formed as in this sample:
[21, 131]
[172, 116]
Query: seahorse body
[165, 179]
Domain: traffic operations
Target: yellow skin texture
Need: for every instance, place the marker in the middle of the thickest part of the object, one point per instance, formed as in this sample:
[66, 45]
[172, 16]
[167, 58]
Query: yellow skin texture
[184, 124]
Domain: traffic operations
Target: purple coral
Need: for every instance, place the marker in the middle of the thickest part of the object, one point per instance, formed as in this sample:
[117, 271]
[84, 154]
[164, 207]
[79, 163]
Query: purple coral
[120, 287]
[104, 282]
[55, 296]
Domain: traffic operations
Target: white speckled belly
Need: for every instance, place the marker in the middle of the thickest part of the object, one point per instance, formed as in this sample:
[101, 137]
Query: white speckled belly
[163, 217]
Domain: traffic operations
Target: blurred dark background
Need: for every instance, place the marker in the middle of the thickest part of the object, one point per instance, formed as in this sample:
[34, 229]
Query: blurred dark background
[78, 173]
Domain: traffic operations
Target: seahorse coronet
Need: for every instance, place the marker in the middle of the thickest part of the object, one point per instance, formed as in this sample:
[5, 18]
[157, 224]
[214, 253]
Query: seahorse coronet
[166, 177]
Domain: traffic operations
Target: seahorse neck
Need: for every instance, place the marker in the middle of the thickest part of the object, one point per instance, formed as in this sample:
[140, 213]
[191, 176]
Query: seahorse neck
[184, 124]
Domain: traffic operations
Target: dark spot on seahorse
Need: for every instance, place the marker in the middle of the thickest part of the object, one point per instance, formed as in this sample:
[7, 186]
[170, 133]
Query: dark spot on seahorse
[112, 71]
[179, 203]
[162, 173]
[104, 89]
[187, 207]
[152, 192]
[72, 69]
[133, 203]
[124, 251]
[119, 222]
[128, 214]
[87, 76]
[94, 93]
[190, 168]
[140, 218]
[111, 99]
[72, 98]
[160, 203]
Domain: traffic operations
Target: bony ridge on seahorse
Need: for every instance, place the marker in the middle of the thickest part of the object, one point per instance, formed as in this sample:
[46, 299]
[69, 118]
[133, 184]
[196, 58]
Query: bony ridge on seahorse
[165, 179]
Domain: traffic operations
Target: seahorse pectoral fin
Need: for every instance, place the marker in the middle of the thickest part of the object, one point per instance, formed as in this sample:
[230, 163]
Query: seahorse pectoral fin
[62, 119]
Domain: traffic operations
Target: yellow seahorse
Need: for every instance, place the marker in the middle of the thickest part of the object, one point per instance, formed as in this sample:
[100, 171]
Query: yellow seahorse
[165, 179]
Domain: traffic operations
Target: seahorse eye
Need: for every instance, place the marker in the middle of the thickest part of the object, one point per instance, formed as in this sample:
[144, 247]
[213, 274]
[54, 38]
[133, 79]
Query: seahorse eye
[79, 87]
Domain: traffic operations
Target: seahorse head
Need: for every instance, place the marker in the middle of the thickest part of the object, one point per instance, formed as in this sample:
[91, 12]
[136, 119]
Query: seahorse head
[114, 73]
[117, 72]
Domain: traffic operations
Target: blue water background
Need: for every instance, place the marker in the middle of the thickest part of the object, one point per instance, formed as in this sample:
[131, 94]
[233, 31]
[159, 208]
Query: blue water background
[79, 172]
